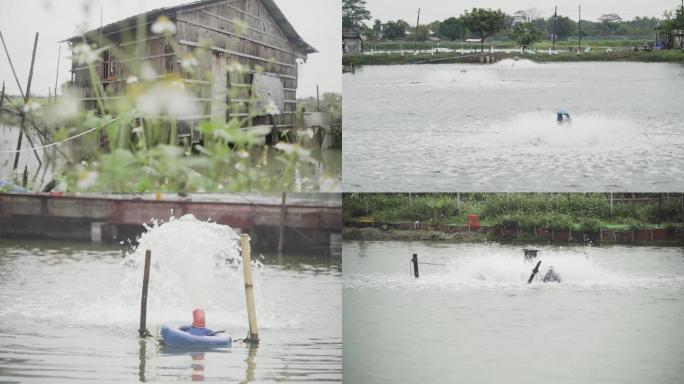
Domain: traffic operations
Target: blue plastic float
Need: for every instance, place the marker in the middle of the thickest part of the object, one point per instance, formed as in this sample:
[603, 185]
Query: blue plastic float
[182, 337]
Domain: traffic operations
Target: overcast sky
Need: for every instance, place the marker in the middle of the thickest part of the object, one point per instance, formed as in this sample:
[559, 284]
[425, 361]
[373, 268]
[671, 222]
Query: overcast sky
[432, 10]
[317, 21]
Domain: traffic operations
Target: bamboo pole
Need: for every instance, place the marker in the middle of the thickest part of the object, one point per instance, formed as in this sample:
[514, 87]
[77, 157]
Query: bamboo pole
[26, 99]
[9, 59]
[142, 331]
[249, 289]
[283, 209]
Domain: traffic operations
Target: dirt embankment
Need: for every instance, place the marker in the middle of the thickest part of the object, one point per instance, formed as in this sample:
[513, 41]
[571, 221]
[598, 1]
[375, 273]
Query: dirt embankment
[377, 234]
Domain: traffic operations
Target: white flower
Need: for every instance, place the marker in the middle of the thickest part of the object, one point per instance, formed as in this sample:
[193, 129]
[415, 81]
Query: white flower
[189, 62]
[306, 133]
[86, 179]
[235, 66]
[67, 107]
[31, 107]
[292, 148]
[163, 26]
[272, 108]
[132, 80]
[167, 99]
[178, 84]
[85, 55]
[243, 154]
[147, 72]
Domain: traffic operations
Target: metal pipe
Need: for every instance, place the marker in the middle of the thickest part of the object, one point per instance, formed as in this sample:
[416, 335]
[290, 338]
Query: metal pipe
[249, 290]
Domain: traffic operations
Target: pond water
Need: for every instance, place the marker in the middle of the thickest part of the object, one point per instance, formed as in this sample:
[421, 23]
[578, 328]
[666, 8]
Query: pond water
[615, 317]
[473, 127]
[70, 312]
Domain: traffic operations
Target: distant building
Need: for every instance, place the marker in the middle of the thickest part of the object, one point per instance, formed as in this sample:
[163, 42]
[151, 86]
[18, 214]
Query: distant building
[251, 33]
[352, 42]
[672, 40]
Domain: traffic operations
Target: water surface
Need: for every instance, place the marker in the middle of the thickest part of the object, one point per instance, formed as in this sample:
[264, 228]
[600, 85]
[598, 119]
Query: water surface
[70, 312]
[492, 127]
[472, 318]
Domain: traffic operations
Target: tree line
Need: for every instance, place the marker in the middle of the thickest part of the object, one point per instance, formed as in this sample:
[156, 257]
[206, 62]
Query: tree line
[524, 26]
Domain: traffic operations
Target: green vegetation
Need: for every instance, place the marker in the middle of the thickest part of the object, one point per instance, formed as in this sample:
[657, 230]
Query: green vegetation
[623, 55]
[354, 13]
[526, 34]
[484, 23]
[496, 25]
[130, 141]
[587, 212]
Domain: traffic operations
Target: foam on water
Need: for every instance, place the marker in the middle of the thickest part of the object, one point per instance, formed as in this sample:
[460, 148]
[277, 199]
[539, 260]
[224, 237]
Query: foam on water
[590, 132]
[195, 264]
[496, 268]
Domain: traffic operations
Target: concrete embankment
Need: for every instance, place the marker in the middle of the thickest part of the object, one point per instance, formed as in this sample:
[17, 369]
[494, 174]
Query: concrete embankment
[310, 226]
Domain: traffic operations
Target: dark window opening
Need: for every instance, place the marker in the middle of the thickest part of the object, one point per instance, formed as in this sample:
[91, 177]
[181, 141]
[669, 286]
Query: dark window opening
[108, 67]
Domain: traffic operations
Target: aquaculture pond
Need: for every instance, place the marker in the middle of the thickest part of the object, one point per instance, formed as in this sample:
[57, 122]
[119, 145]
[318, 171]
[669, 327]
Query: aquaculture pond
[474, 127]
[615, 317]
[69, 312]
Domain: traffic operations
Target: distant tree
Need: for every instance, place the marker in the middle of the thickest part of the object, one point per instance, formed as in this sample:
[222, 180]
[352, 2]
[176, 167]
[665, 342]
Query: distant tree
[377, 26]
[564, 26]
[484, 23]
[421, 33]
[526, 34]
[354, 13]
[434, 26]
[610, 22]
[395, 29]
[450, 29]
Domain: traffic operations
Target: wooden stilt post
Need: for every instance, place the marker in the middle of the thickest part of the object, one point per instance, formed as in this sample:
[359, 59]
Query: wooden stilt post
[142, 331]
[26, 99]
[2, 95]
[59, 58]
[249, 290]
[281, 229]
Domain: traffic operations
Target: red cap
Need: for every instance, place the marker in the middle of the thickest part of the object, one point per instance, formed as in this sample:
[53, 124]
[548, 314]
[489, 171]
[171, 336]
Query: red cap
[198, 318]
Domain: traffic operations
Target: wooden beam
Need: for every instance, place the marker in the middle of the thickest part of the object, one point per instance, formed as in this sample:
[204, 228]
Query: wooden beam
[217, 30]
[234, 53]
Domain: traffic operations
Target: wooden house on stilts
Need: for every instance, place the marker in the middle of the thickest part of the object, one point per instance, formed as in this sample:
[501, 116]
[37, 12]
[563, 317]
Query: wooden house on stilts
[219, 35]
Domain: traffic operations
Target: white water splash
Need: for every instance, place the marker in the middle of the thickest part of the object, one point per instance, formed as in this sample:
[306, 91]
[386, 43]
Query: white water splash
[492, 267]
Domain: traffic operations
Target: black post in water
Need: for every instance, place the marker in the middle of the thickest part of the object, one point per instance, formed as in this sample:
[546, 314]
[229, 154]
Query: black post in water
[534, 272]
[414, 260]
[143, 303]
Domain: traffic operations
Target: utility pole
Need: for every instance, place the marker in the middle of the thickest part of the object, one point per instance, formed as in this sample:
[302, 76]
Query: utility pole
[579, 29]
[555, 16]
[415, 34]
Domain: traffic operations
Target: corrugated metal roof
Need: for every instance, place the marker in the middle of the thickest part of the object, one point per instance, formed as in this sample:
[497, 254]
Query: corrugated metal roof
[270, 6]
